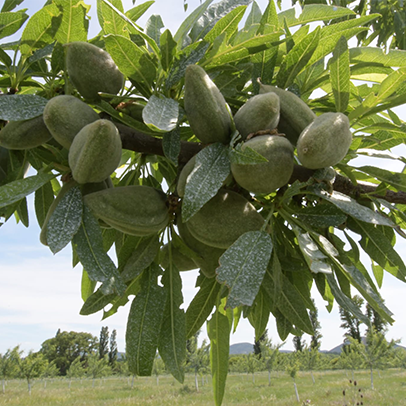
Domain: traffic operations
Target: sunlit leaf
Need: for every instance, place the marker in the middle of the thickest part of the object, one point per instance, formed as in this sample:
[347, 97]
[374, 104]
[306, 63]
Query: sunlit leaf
[172, 339]
[65, 220]
[243, 266]
[210, 171]
[218, 329]
[144, 325]
[161, 113]
[16, 107]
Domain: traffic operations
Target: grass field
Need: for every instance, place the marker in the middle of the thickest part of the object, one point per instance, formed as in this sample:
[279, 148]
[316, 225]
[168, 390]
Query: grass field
[390, 390]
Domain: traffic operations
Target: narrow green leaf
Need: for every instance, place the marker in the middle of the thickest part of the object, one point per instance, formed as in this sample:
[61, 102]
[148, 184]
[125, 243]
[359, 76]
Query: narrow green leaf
[242, 50]
[96, 302]
[264, 62]
[178, 70]
[395, 179]
[212, 16]
[10, 23]
[168, 49]
[153, 28]
[14, 191]
[297, 59]
[171, 145]
[144, 324]
[269, 21]
[322, 215]
[40, 30]
[44, 197]
[188, 23]
[88, 243]
[10, 5]
[243, 266]
[245, 157]
[74, 24]
[290, 304]
[351, 207]
[120, 18]
[172, 339]
[374, 103]
[133, 61]
[283, 325]
[314, 258]
[141, 258]
[331, 34]
[5, 58]
[22, 212]
[228, 24]
[211, 170]
[161, 113]
[340, 75]
[87, 286]
[321, 12]
[113, 23]
[218, 329]
[138, 11]
[379, 248]
[65, 220]
[251, 26]
[17, 107]
[259, 315]
[133, 288]
[201, 306]
[344, 301]
[392, 58]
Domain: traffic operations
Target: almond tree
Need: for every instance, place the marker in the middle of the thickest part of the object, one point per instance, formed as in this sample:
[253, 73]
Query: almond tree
[76, 370]
[176, 115]
[32, 366]
[9, 365]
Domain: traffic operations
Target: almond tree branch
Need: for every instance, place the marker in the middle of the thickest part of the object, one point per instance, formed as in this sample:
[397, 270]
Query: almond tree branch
[139, 142]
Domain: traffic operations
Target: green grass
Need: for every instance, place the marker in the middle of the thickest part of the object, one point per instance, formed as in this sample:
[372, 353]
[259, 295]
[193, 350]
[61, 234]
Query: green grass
[390, 390]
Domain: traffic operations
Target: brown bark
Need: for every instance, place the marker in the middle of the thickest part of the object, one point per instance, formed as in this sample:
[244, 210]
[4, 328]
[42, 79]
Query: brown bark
[139, 142]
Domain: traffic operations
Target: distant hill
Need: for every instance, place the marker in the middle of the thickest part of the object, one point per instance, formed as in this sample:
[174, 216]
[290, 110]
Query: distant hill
[339, 348]
[241, 348]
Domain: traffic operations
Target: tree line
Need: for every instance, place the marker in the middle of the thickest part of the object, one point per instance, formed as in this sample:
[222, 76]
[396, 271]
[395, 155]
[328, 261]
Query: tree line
[76, 356]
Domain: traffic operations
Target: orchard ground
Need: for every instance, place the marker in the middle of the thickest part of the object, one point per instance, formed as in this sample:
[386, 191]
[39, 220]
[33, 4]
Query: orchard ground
[390, 386]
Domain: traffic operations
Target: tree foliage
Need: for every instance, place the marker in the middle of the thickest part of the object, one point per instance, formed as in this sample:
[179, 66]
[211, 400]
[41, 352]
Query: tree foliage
[66, 346]
[308, 223]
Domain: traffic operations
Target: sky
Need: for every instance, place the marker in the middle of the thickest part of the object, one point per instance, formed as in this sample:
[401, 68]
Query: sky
[40, 292]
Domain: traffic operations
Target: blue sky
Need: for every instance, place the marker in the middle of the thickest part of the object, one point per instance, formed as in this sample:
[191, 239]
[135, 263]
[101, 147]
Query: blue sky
[40, 292]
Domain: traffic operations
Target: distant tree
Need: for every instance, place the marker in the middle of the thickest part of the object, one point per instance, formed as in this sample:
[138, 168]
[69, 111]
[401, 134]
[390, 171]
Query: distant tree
[198, 359]
[252, 364]
[51, 371]
[113, 351]
[350, 322]
[66, 346]
[158, 367]
[309, 358]
[75, 370]
[378, 324]
[104, 342]
[376, 352]
[258, 344]
[270, 355]
[8, 365]
[315, 341]
[97, 367]
[32, 366]
[350, 358]
[292, 367]
[389, 30]
[298, 342]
